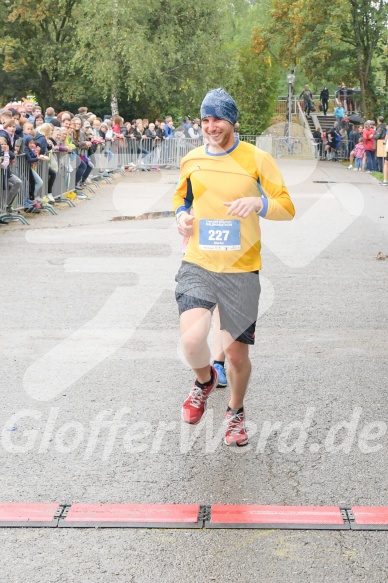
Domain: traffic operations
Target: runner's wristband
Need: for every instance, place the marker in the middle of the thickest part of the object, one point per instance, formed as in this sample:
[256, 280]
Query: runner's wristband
[264, 208]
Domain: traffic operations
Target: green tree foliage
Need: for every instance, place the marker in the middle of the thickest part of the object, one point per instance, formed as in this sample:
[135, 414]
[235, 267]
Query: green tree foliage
[336, 41]
[252, 79]
[155, 56]
[255, 90]
[155, 52]
[36, 43]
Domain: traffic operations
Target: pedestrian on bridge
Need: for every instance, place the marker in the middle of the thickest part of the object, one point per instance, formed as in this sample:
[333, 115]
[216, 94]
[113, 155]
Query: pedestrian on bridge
[324, 98]
[307, 100]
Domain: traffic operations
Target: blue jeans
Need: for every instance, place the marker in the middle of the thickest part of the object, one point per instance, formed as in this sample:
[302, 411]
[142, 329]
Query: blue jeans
[358, 163]
[38, 182]
[108, 153]
[307, 107]
[370, 160]
[83, 170]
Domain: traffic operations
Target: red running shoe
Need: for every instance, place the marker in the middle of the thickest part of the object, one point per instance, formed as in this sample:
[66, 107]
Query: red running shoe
[194, 406]
[235, 431]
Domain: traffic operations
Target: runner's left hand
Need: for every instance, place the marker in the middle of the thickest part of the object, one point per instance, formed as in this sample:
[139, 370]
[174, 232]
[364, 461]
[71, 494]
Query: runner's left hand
[243, 207]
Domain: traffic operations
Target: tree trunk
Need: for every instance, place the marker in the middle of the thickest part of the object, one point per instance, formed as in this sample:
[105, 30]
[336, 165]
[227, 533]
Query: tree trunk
[114, 104]
[367, 94]
[362, 97]
[46, 94]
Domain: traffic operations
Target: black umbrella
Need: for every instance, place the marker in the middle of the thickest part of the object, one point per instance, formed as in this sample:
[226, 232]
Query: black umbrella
[355, 118]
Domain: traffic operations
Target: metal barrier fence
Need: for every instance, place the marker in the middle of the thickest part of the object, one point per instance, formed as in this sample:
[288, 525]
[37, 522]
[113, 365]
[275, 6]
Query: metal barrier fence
[20, 169]
[3, 190]
[287, 147]
[342, 151]
[281, 107]
[145, 154]
[64, 183]
[251, 139]
[302, 148]
[65, 178]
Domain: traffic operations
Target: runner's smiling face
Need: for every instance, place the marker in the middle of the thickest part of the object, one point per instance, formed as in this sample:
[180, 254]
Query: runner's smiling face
[219, 132]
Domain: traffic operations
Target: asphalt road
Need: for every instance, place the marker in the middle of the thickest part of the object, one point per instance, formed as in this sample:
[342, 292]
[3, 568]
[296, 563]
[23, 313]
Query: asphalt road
[92, 381]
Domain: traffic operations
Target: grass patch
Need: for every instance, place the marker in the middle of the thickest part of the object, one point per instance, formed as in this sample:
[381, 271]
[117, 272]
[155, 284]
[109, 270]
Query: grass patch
[378, 175]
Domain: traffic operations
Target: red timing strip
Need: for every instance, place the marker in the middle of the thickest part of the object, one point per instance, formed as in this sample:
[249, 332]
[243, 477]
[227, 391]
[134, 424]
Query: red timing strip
[370, 515]
[13, 513]
[132, 514]
[192, 516]
[290, 515]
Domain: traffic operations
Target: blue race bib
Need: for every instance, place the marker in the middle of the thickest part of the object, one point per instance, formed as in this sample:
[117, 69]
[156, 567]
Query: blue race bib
[219, 235]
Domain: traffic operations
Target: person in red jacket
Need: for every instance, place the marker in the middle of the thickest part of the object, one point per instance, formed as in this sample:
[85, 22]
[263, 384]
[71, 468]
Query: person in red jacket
[369, 145]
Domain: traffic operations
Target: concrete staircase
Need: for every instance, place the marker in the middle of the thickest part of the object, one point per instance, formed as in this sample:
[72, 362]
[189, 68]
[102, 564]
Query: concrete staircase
[325, 121]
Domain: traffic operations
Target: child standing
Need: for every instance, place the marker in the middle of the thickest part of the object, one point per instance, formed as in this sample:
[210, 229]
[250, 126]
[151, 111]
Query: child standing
[359, 152]
[4, 154]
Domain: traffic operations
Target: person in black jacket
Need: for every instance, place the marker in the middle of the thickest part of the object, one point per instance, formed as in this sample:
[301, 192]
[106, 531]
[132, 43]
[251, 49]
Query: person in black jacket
[307, 100]
[33, 155]
[333, 139]
[381, 132]
[353, 137]
[317, 135]
[324, 97]
[84, 167]
[13, 182]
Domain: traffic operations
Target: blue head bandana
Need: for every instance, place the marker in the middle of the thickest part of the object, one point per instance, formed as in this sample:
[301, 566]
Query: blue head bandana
[218, 103]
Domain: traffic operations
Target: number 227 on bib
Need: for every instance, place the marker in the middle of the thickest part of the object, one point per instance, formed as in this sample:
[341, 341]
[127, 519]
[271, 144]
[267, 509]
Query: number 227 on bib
[219, 235]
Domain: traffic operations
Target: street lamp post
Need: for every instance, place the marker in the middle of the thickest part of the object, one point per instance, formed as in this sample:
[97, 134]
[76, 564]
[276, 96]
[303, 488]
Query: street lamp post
[290, 81]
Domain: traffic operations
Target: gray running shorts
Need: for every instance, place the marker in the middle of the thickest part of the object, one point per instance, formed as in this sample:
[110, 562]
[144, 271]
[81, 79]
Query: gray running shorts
[236, 294]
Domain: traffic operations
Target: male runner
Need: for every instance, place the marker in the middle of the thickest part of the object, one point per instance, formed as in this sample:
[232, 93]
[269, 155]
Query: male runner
[228, 184]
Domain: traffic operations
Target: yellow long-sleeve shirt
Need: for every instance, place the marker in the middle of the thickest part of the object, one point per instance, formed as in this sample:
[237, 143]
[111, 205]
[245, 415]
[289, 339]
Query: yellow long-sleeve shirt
[206, 182]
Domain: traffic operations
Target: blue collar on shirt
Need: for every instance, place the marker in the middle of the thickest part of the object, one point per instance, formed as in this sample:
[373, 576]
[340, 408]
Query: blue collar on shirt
[236, 143]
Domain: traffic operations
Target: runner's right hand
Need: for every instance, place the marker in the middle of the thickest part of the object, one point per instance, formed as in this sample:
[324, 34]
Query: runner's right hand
[185, 224]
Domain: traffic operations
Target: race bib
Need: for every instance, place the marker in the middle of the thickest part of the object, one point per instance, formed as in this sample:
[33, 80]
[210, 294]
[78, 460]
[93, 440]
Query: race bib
[219, 235]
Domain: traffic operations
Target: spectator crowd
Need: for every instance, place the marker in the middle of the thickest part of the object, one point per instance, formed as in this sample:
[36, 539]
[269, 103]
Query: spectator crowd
[87, 138]
[363, 144]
